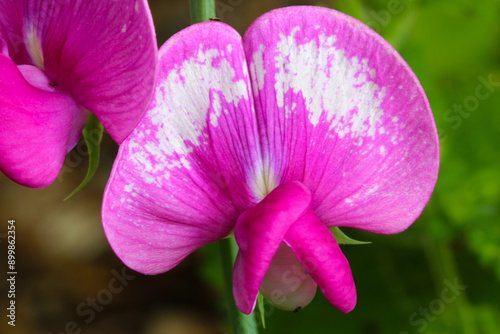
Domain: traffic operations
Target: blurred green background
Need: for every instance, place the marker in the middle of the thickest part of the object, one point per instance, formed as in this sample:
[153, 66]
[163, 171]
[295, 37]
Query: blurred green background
[442, 275]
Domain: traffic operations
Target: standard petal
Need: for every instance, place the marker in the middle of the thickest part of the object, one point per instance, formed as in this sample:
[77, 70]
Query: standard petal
[318, 251]
[11, 31]
[259, 232]
[102, 52]
[340, 111]
[39, 125]
[180, 178]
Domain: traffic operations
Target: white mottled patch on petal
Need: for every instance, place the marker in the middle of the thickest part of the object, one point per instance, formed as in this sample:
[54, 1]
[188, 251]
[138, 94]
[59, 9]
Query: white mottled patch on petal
[192, 93]
[183, 99]
[383, 151]
[365, 193]
[393, 139]
[372, 190]
[217, 110]
[290, 111]
[129, 187]
[352, 200]
[335, 88]
[257, 69]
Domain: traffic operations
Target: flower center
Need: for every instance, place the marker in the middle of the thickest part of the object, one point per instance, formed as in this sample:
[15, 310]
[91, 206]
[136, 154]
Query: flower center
[286, 252]
[34, 48]
[265, 182]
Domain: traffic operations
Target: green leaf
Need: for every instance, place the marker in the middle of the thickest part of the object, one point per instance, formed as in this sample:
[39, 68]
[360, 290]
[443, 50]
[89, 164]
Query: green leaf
[343, 239]
[262, 311]
[92, 133]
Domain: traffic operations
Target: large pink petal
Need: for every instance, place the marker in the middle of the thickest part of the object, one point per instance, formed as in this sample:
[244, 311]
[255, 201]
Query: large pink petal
[184, 174]
[318, 251]
[259, 233]
[11, 31]
[340, 111]
[39, 125]
[102, 52]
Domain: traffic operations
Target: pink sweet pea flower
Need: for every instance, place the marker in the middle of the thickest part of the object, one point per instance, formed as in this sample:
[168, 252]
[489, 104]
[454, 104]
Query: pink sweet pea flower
[58, 61]
[311, 121]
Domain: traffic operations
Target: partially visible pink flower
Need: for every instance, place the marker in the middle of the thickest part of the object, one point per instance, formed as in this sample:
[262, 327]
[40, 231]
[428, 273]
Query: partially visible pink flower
[60, 60]
[311, 121]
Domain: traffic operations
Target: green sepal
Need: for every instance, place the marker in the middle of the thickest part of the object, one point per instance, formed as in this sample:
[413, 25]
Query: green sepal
[92, 134]
[343, 239]
[262, 311]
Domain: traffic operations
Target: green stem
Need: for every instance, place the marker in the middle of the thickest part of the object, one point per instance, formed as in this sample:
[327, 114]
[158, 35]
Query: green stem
[443, 267]
[242, 323]
[202, 10]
